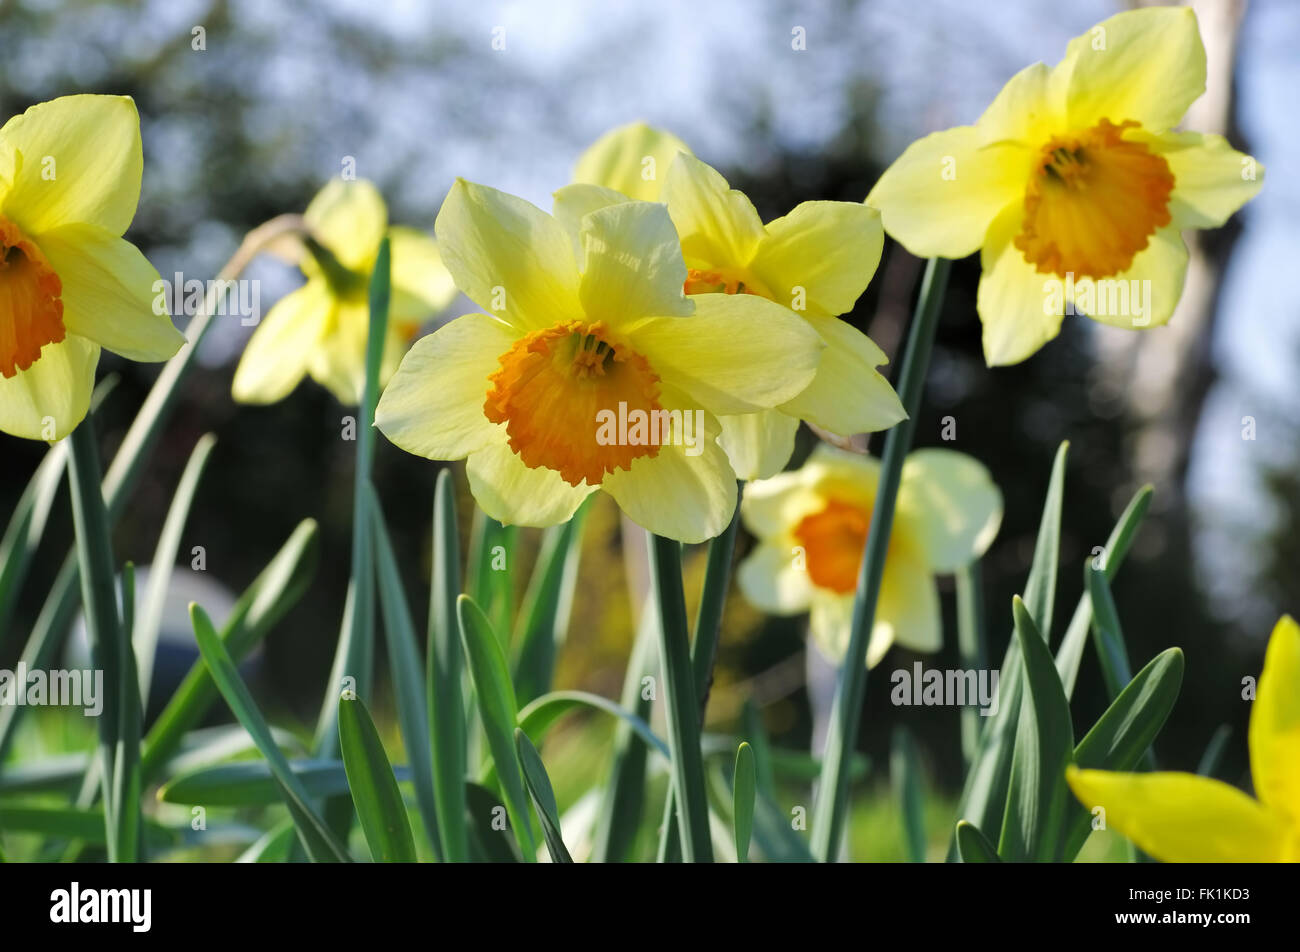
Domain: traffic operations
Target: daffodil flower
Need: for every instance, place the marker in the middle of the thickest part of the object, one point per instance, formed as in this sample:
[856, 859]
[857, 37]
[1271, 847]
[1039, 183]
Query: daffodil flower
[815, 261]
[591, 370]
[69, 284]
[321, 328]
[1073, 186]
[812, 524]
[1184, 818]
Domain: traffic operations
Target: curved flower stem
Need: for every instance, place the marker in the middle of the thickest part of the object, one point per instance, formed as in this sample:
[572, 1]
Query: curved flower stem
[99, 594]
[681, 699]
[833, 785]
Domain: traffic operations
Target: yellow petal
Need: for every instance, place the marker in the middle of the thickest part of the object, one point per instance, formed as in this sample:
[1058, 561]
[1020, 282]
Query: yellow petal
[1211, 179]
[941, 195]
[109, 293]
[819, 258]
[680, 496]
[951, 505]
[1015, 305]
[1157, 273]
[848, 395]
[572, 203]
[1182, 818]
[829, 623]
[631, 265]
[418, 269]
[80, 162]
[433, 407]
[758, 444]
[511, 493]
[276, 357]
[771, 508]
[51, 397]
[349, 218]
[737, 354]
[848, 477]
[1147, 65]
[1027, 110]
[509, 257]
[631, 159]
[338, 362]
[1275, 723]
[772, 582]
[717, 224]
[908, 612]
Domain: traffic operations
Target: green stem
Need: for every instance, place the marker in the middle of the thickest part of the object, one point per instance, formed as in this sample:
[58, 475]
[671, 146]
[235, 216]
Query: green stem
[833, 786]
[970, 645]
[681, 699]
[99, 595]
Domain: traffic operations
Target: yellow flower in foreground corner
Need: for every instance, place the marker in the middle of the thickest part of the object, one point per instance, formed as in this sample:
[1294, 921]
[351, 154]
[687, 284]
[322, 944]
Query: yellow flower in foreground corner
[321, 328]
[812, 525]
[1073, 185]
[1183, 818]
[69, 284]
[595, 370]
[815, 261]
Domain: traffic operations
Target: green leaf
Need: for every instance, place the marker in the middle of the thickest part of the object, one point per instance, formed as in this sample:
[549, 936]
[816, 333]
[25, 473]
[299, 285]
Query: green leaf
[26, 528]
[973, 846]
[126, 766]
[972, 644]
[320, 843]
[536, 719]
[543, 797]
[496, 706]
[1037, 792]
[259, 609]
[488, 842]
[273, 846]
[1107, 632]
[1124, 733]
[487, 583]
[1208, 765]
[74, 823]
[905, 773]
[251, 783]
[984, 795]
[681, 700]
[443, 675]
[145, 636]
[831, 807]
[742, 800]
[374, 787]
[1070, 652]
[405, 673]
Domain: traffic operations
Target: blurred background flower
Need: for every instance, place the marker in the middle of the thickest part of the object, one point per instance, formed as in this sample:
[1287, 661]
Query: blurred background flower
[282, 94]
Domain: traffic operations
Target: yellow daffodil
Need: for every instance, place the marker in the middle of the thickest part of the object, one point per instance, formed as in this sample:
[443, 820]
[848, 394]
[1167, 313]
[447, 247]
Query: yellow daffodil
[1073, 185]
[815, 261]
[812, 523]
[1183, 818]
[321, 328]
[590, 370]
[69, 284]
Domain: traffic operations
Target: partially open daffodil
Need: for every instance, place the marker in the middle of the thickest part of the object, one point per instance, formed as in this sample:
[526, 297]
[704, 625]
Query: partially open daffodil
[593, 370]
[321, 328]
[812, 525]
[815, 261]
[1073, 186]
[1184, 818]
[69, 284]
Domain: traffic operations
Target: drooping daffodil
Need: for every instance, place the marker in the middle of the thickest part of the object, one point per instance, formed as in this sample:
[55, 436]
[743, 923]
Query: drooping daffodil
[320, 329]
[70, 284]
[1185, 818]
[589, 368]
[811, 525]
[815, 261]
[1073, 185]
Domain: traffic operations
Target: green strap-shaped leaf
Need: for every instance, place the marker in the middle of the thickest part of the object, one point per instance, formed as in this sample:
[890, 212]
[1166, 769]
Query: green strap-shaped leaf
[543, 797]
[273, 846]
[320, 843]
[743, 791]
[379, 804]
[1124, 733]
[973, 845]
[251, 783]
[1107, 633]
[1036, 793]
[74, 823]
[26, 528]
[536, 719]
[496, 705]
[905, 775]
